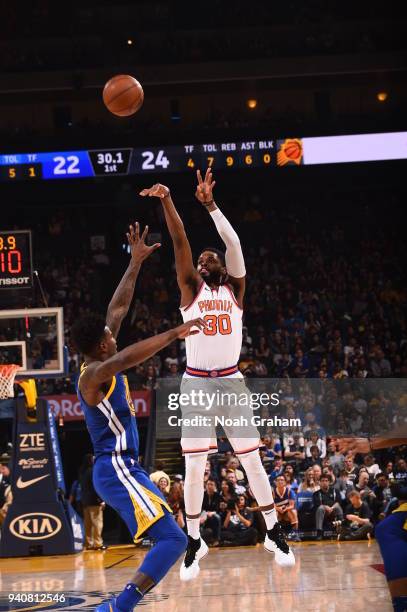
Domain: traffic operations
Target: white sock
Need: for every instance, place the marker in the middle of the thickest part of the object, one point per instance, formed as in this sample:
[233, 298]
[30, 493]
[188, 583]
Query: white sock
[194, 490]
[193, 528]
[260, 485]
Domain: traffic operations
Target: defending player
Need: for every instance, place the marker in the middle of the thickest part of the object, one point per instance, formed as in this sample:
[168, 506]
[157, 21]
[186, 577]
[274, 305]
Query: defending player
[110, 418]
[215, 287]
[391, 533]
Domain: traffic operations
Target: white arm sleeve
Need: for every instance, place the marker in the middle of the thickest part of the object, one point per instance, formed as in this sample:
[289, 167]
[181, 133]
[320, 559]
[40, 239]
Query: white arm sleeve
[233, 256]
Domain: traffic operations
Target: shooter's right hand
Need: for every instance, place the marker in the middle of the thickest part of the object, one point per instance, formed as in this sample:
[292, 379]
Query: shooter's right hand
[157, 191]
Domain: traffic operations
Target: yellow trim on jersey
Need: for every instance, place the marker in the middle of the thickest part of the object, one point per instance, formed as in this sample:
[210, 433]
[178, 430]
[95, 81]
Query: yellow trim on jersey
[111, 388]
[402, 508]
[144, 522]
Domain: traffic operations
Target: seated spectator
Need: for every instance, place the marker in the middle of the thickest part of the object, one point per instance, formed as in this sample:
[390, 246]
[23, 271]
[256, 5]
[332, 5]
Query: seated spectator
[357, 525]
[317, 471]
[314, 458]
[352, 471]
[383, 496]
[237, 526]
[273, 447]
[370, 465]
[294, 449]
[284, 500]
[362, 486]
[159, 473]
[227, 494]
[336, 458]
[276, 470]
[312, 425]
[308, 483]
[175, 499]
[327, 470]
[231, 477]
[400, 471]
[327, 504]
[315, 440]
[233, 464]
[211, 519]
[343, 486]
[164, 485]
[290, 478]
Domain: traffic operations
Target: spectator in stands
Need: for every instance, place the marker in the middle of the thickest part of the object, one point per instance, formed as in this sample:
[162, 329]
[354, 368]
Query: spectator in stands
[290, 477]
[294, 449]
[210, 506]
[233, 464]
[317, 471]
[308, 483]
[237, 526]
[273, 447]
[227, 494]
[175, 499]
[362, 485]
[315, 440]
[336, 458]
[314, 458]
[284, 500]
[231, 477]
[400, 471]
[343, 486]
[352, 471]
[277, 469]
[159, 472]
[312, 425]
[164, 485]
[383, 496]
[327, 504]
[357, 525]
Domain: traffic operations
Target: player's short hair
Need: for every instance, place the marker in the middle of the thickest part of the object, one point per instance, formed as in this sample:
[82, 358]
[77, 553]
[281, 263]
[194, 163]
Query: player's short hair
[87, 332]
[218, 252]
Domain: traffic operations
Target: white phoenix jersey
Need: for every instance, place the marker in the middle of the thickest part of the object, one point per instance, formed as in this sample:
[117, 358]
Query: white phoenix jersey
[217, 347]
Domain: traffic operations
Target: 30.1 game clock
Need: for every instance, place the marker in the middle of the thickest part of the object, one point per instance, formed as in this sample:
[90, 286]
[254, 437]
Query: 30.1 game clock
[16, 260]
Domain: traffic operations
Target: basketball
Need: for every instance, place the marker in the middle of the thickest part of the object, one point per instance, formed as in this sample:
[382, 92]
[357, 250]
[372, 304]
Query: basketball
[293, 149]
[123, 95]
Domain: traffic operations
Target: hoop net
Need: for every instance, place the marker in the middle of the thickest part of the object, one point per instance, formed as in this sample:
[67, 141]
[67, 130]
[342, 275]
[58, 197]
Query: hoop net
[7, 375]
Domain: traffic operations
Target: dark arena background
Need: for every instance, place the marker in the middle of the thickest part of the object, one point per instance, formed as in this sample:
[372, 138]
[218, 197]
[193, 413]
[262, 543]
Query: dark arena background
[298, 108]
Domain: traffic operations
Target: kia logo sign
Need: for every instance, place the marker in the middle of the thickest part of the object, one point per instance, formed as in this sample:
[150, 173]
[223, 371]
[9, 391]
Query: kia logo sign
[35, 526]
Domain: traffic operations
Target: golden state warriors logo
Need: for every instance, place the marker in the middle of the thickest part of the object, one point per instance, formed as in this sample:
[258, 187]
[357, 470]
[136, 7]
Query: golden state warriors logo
[289, 151]
[128, 397]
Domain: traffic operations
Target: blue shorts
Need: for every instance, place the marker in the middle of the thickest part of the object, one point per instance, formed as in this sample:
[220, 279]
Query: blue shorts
[391, 534]
[125, 486]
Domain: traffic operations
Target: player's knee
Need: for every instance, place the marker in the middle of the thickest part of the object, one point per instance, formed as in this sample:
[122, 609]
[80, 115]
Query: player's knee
[252, 462]
[177, 541]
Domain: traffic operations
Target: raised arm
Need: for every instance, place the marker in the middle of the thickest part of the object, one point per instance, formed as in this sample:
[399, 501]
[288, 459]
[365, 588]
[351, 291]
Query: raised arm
[99, 372]
[187, 275]
[121, 300]
[234, 256]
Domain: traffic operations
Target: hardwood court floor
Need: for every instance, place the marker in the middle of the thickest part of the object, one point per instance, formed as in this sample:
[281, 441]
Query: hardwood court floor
[328, 577]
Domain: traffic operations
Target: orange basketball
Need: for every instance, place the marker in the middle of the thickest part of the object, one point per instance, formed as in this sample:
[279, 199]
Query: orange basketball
[123, 95]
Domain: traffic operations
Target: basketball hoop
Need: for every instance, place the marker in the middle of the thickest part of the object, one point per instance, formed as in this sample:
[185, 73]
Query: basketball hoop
[7, 375]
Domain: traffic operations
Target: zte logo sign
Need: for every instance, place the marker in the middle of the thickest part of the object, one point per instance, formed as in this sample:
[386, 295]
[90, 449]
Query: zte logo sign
[35, 526]
[32, 442]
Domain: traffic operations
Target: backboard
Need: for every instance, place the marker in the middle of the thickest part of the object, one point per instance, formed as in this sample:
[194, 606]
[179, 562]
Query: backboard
[34, 339]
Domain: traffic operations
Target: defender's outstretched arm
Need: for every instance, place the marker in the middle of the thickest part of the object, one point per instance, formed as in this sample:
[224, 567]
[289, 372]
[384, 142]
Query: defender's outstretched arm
[120, 303]
[187, 275]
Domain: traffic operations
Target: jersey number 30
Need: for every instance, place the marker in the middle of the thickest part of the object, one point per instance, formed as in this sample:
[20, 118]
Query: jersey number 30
[218, 324]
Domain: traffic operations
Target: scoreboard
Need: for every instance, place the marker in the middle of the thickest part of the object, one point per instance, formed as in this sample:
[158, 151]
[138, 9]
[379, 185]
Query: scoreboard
[16, 270]
[228, 155]
[128, 161]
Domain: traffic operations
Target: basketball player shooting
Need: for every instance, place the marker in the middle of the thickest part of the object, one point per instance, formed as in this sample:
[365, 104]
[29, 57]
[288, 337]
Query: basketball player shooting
[216, 286]
[110, 418]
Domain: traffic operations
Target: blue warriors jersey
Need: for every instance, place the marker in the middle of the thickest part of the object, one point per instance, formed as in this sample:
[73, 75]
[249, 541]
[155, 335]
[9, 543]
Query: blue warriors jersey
[391, 534]
[112, 423]
[117, 477]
